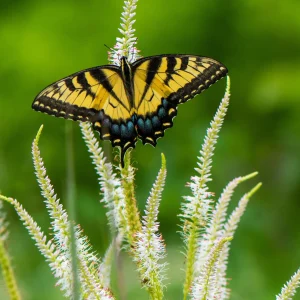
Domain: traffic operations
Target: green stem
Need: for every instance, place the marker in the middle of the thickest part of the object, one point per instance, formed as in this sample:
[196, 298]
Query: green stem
[120, 271]
[132, 212]
[71, 194]
[190, 259]
[8, 273]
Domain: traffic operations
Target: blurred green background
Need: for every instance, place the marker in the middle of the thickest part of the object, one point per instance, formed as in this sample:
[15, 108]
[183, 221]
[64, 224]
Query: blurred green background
[259, 42]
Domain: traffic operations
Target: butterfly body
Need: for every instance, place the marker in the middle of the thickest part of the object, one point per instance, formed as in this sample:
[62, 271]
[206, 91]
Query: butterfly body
[130, 101]
[127, 77]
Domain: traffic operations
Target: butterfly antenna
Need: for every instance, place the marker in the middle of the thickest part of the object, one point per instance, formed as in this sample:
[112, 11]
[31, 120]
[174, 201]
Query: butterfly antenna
[109, 48]
[112, 52]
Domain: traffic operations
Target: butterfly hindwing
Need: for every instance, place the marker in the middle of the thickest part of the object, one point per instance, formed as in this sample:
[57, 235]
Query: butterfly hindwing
[97, 95]
[162, 82]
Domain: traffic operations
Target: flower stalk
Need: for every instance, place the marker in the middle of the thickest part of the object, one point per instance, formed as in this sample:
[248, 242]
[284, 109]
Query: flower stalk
[229, 229]
[149, 247]
[289, 289]
[47, 248]
[130, 208]
[205, 287]
[110, 186]
[214, 229]
[125, 45]
[85, 259]
[5, 261]
[195, 209]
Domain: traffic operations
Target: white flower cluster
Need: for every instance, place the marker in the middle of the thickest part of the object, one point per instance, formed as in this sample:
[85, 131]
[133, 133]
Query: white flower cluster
[125, 45]
[289, 289]
[110, 185]
[149, 247]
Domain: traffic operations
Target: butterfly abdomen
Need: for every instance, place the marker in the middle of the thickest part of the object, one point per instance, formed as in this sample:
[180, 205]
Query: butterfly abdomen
[127, 77]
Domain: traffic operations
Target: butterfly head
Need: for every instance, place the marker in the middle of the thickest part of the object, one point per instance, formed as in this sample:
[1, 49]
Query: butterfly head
[124, 60]
[125, 67]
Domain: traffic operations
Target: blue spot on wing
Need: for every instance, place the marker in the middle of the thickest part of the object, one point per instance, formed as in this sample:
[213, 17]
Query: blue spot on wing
[151, 126]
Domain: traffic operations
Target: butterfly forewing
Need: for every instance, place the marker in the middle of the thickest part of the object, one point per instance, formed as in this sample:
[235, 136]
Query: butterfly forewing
[164, 81]
[97, 95]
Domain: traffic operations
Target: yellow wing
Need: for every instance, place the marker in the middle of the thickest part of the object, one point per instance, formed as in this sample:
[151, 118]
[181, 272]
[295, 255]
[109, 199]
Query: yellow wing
[97, 95]
[162, 82]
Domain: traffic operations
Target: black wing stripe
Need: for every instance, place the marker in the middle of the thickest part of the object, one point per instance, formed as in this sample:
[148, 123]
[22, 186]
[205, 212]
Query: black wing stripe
[81, 79]
[169, 85]
[99, 75]
[171, 63]
[184, 63]
[152, 68]
[70, 85]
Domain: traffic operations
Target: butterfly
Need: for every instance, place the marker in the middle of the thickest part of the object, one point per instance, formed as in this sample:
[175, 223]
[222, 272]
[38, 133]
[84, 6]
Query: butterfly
[133, 100]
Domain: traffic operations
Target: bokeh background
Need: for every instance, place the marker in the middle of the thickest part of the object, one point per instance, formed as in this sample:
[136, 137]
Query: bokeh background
[259, 42]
